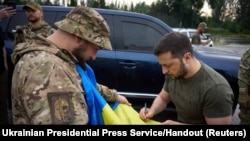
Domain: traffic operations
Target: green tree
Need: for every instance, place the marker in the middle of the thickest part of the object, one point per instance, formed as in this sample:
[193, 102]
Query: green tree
[95, 4]
[72, 3]
[131, 7]
[89, 3]
[232, 15]
[82, 2]
[102, 4]
[141, 7]
[21, 2]
[47, 2]
[217, 8]
[243, 15]
[175, 12]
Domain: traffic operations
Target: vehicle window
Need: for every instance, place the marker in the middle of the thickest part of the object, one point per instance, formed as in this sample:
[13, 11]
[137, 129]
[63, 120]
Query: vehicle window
[18, 19]
[49, 17]
[139, 37]
[60, 16]
[108, 19]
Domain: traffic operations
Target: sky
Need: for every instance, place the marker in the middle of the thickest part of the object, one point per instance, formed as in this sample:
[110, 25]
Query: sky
[206, 9]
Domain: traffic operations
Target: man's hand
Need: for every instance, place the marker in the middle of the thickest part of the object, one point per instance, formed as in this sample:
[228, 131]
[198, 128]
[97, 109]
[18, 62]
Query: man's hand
[123, 99]
[206, 43]
[146, 114]
[7, 12]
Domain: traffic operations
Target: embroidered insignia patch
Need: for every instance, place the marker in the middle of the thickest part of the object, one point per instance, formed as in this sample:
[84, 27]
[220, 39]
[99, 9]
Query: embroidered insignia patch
[61, 108]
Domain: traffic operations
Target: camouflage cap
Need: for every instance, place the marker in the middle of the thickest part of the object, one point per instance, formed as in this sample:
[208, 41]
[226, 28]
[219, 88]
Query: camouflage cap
[32, 5]
[87, 24]
[203, 25]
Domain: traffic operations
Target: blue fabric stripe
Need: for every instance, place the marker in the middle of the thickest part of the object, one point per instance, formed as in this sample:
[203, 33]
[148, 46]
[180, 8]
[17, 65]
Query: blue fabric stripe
[93, 98]
[114, 105]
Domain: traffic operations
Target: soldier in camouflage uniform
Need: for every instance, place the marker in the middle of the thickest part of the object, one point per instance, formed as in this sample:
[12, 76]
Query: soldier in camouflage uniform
[196, 38]
[244, 88]
[36, 23]
[46, 85]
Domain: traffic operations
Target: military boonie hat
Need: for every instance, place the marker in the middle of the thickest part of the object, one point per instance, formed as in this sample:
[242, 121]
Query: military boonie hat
[203, 24]
[87, 24]
[33, 6]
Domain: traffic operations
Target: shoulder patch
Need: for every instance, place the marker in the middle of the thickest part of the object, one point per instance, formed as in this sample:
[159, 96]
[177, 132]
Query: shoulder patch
[61, 108]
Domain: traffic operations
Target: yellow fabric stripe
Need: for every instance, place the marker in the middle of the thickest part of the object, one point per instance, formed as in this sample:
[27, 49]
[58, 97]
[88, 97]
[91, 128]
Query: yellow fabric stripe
[123, 114]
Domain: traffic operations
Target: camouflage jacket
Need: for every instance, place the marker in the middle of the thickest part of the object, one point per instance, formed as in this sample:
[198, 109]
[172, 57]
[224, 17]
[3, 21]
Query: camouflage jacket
[46, 87]
[24, 33]
[244, 73]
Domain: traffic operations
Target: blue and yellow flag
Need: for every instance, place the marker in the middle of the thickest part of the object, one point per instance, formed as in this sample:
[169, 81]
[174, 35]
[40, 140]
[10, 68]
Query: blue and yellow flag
[99, 111]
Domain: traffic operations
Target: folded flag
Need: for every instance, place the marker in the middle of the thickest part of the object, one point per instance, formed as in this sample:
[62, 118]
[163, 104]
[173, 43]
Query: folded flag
[102, 113]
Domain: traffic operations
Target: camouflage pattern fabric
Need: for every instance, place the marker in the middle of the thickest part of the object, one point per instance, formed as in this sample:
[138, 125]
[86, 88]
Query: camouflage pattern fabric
[108, 94]
[33, 5]
[46, 86]
[87, 24]
[244, 88]
[24, 33]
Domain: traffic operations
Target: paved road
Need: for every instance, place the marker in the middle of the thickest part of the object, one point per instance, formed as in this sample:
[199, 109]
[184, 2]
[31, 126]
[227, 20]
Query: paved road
[237, 48]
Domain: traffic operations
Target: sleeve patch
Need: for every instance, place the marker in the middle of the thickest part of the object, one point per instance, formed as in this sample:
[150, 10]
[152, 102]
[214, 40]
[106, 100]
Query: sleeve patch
[61, 108]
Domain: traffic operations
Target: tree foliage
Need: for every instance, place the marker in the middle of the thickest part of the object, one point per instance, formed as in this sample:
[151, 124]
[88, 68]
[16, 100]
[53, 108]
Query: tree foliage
[232, 15]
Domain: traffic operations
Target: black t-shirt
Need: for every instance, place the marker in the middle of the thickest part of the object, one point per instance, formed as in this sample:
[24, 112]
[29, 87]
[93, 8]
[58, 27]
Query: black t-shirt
[1, 51]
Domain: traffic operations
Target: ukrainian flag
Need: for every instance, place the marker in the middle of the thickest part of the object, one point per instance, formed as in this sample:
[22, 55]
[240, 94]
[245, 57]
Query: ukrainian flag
[99, 111]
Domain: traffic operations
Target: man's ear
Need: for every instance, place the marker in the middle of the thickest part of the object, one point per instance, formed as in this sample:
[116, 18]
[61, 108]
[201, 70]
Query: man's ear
[187, 56]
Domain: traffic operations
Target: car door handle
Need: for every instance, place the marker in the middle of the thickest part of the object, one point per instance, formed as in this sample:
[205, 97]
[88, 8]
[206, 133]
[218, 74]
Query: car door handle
[128, 65]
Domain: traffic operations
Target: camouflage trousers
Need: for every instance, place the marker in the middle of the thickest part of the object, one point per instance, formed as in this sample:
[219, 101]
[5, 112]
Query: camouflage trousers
[4, 97]
[244, 102]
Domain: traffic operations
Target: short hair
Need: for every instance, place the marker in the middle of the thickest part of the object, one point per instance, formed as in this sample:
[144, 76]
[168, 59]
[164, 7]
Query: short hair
[203, 25]
[174, 42]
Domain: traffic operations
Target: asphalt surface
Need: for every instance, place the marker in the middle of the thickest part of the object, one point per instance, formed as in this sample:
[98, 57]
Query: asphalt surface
[236, 48]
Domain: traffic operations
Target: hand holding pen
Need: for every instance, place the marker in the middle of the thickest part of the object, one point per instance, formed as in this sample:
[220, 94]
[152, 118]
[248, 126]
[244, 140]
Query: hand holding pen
[145, 113]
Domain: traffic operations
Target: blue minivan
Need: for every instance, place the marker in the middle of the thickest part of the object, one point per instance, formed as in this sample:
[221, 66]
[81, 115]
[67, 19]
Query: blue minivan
[131, 67]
